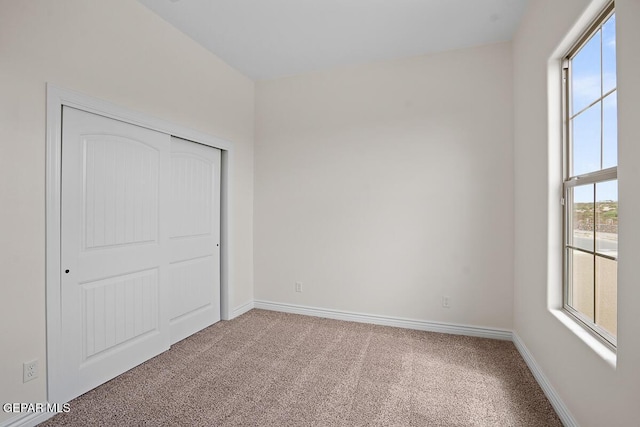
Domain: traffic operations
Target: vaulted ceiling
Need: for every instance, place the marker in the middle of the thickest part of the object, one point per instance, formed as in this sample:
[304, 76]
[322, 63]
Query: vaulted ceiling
[265, 39]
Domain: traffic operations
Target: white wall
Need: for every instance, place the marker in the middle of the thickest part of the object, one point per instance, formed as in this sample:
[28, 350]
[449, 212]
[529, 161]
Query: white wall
[119, 51]
[596, 392]
[384, 187]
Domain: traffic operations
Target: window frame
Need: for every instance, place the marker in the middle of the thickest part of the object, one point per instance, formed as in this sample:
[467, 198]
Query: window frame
[570, 181]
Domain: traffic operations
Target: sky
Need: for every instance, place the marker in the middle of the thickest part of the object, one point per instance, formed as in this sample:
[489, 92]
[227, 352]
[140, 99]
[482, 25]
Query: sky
[593, 74]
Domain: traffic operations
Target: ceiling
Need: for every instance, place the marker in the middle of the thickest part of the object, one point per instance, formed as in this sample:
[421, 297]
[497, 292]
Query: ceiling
[265, 39]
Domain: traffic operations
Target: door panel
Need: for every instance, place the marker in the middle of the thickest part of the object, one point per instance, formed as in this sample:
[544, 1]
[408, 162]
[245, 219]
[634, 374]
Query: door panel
[121, 191]
[115, 195]
[117, 310]
[194, 238]
[190, 281]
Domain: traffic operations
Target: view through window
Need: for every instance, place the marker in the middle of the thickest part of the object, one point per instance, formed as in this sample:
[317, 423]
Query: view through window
[591, 180]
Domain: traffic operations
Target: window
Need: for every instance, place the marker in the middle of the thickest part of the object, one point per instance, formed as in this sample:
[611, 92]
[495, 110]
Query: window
[590, 185]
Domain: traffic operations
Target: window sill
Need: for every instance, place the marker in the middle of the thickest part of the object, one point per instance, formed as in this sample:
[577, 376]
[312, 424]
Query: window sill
[608, 355]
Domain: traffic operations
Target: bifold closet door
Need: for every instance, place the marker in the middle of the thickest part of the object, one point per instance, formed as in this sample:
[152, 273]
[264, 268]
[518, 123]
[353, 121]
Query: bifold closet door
[194, 272]
[139, 255]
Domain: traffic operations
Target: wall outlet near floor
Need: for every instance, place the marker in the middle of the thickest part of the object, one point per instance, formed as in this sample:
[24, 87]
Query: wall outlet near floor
[446, 302]
[29, 371]
[298, 286]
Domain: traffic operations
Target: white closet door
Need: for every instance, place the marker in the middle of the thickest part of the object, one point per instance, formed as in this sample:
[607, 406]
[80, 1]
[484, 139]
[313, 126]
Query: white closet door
[194, 238]
[115, 267]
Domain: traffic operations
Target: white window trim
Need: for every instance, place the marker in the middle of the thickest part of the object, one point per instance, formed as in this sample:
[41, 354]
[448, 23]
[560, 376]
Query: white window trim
[600, 334]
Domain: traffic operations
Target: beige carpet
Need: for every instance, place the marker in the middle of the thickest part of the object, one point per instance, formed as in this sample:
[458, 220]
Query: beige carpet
[273, 369]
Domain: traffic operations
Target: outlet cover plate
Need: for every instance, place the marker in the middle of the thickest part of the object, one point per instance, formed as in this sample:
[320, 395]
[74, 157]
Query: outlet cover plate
[29, 370]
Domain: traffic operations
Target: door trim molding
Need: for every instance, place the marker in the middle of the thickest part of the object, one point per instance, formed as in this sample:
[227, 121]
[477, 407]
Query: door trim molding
[58, 97]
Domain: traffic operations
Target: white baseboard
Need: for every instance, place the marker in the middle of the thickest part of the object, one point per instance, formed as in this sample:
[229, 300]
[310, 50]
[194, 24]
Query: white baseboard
[563, 412]
[238, 311]
[27, 420]
[421, 325]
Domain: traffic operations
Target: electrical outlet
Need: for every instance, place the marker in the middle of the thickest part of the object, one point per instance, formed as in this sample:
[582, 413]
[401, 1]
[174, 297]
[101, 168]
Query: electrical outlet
[446, 302]
[29, 370]
[298, 286]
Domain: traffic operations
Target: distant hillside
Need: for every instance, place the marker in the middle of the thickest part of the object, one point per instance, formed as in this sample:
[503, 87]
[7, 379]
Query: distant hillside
[606, 216]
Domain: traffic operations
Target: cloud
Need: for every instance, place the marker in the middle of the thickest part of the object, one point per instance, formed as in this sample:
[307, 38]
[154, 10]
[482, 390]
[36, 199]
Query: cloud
[585, 90]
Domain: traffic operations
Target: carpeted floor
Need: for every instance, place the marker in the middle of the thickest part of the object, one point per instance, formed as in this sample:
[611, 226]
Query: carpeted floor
[274, 369]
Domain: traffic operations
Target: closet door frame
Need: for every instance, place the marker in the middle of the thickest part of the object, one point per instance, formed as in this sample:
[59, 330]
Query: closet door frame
[57, 98]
